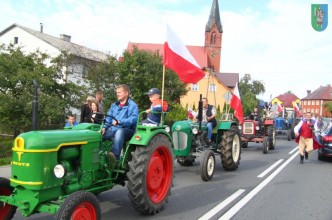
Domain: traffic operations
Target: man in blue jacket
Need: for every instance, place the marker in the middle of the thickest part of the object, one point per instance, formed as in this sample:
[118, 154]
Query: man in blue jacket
[125, 111]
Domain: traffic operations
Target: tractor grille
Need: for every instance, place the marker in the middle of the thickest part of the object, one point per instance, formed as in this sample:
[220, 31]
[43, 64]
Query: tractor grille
[180, 140]
[248, 128]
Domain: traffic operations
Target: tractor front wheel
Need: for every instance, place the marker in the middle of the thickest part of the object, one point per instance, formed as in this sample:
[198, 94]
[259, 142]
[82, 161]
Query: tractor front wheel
[79, 205]
[265, 145]
[6, 211]
[271, 132]
[150, 175]
[208, 164]
[230, 148]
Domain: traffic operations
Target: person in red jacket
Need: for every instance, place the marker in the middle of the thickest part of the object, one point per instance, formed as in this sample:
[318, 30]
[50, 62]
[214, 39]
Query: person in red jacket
[305, 137]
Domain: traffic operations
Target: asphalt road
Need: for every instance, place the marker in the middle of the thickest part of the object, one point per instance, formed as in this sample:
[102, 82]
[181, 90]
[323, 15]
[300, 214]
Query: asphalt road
[265, 186]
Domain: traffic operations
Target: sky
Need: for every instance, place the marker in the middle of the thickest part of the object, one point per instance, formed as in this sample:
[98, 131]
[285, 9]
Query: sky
[272, 40]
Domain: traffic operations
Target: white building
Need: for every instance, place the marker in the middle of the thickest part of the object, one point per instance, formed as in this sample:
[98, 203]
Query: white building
[31, 40]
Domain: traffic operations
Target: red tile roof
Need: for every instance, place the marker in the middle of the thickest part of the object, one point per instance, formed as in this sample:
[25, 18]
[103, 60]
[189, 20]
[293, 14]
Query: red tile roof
[287, 99]
[322, 93]
[196, 51]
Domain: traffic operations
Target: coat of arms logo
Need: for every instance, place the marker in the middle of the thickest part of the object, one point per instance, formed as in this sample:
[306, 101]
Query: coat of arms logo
[319, 16]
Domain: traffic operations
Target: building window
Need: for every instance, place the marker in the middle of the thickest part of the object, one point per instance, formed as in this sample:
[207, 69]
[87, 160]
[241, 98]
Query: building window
[317, 102]
[317, 110]
[305, 103]
[212, 88]
[213, 38]
[312, 111]
[194, 87]
[309, 102]
[304, 110]
[15, 40]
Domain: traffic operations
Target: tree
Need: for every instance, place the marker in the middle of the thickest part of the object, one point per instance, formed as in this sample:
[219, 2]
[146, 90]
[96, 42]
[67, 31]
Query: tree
[101, 76]
[17, 72]
[249, 89]
[143, 70]
[328, 105]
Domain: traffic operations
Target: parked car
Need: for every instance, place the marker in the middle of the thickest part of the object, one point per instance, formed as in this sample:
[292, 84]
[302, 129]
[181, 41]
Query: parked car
[326, 140]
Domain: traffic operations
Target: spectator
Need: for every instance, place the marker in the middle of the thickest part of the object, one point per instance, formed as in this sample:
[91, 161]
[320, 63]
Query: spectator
[99, 98]
[157, 106]
[125, 111]
[71, 121]
[86, 110]
[95, 115]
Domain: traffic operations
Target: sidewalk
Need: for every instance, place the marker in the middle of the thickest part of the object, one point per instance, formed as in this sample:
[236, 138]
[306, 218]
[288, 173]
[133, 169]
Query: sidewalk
[5, 171]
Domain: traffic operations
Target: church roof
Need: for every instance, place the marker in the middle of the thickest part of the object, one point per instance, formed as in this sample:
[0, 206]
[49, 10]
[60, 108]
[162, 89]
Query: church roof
[214, 18]
[196, 51]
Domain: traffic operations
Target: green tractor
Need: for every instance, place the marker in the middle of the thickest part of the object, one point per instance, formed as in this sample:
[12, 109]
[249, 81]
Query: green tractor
[62, 171]
[190, 142]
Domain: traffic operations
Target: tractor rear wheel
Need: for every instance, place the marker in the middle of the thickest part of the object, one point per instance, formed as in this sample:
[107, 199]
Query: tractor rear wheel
[6, 211]
[79, 205]
[208, 164]
[150, 175]
[265, 145]
[271, 132]
[230, 148]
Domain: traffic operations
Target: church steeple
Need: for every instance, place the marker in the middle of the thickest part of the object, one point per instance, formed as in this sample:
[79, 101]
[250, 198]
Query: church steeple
[213, 37]
[214, 17]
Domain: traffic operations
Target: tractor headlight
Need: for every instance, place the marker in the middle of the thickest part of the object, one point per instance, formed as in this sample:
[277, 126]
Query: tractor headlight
[240, 127]
[59, 171]
[194, 130]
[257, 128]
[167, 129]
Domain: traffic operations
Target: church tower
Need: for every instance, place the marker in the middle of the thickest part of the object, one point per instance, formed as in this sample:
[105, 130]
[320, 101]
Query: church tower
[213, 38]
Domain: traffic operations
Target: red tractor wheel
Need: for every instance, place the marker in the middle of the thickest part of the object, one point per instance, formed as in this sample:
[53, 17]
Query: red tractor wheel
[150, 176]
[6, 211]
[79, 205]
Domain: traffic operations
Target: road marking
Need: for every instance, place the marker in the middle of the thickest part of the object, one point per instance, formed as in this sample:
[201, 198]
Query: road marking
[270, 168]
[292, 151]
[230, 213]
[222, 205]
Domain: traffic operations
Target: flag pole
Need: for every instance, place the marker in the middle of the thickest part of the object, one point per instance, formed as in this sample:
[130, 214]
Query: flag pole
[162, 93]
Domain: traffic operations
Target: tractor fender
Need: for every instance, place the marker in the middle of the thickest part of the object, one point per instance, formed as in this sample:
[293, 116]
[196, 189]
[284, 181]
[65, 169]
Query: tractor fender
[143, 137]
[225, 125]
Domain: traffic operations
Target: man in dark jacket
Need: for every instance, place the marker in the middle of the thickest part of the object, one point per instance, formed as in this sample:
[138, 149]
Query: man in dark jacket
[209, 114]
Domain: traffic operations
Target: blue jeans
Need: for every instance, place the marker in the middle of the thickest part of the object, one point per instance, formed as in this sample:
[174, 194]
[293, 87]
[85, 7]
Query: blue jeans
[119, 137]
[209, 127]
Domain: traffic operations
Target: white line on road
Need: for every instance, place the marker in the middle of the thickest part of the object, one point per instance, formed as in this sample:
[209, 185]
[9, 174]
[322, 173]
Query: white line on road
[221, 205]
[270, 168]
[230, 213]
[292, 151]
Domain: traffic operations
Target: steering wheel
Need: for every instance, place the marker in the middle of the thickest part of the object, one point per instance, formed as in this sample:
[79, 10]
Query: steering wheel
[112, 117]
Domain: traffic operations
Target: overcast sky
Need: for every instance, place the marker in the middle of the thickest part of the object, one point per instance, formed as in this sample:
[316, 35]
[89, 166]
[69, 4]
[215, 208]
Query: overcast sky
[272, 40]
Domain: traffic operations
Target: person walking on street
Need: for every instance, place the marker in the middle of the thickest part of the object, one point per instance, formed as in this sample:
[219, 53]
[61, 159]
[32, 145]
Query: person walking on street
[125, 111]
[305, 137]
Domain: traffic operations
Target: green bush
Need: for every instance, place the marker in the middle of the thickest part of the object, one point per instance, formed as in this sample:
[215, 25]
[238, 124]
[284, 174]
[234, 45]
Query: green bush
[6, 144]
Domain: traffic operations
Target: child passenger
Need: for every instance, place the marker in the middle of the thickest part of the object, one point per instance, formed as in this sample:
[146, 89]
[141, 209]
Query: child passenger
[71, 121]
[154, 112]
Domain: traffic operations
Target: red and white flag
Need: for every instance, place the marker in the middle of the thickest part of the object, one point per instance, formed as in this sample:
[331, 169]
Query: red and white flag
[179, 59]
[237, 105]
[279, 108]
[296, 107]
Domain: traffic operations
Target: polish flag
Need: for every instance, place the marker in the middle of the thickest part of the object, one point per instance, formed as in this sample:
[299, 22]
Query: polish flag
[296, 107]
[236, 104]
[279, 108]
[178, 58]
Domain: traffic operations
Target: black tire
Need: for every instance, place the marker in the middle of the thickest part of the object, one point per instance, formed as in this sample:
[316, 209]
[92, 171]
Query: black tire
[80, 203]
[230, 150]
[289, 135]
[271, 132]
[244, 144]
[187, 161]
[208, 164]
[148, 189]
[7, 211]
[319, 156]
[265, 145]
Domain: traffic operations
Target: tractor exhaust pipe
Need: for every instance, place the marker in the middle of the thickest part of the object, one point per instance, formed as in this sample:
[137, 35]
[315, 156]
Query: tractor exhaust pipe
[35, 107]
[200, 111]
